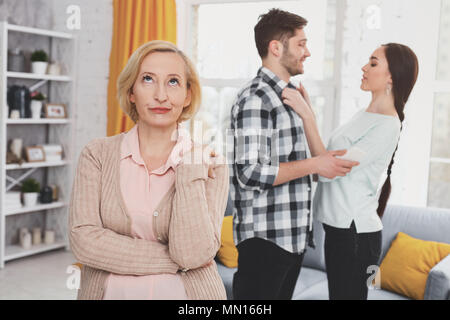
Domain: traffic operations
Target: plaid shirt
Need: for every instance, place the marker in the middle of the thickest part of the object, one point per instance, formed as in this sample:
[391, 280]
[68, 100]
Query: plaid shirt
[266, 133]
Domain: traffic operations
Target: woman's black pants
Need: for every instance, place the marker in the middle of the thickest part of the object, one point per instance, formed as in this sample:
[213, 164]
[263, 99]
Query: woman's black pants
[348, 256]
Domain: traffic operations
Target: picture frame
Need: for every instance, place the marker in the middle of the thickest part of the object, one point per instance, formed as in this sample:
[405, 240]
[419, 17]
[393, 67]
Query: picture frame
[55, 111]
[35, 154]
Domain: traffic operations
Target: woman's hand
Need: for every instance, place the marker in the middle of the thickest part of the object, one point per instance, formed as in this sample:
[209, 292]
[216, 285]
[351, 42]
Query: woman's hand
[213, 158]
[328, 166]
[304, 94]
[202, 155]
[298, 99]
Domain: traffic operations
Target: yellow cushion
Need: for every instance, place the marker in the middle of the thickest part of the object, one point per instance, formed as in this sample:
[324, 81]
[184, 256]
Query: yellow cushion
[407, 263]
[228, 253]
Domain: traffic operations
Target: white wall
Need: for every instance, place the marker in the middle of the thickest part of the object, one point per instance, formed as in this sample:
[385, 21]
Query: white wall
[94, 39]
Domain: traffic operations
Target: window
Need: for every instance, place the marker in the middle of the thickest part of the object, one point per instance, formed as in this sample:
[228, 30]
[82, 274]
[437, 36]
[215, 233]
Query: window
[443, 65]
[439, 178]
[226, 57]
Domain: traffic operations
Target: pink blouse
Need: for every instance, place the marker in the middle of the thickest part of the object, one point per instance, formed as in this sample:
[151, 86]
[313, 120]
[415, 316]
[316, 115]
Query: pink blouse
[142, 191]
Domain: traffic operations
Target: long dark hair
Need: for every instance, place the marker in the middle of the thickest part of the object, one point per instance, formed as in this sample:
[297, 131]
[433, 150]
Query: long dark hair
[404, 68]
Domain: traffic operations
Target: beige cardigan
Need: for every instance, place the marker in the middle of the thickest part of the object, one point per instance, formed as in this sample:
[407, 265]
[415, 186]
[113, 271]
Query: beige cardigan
[187, 223]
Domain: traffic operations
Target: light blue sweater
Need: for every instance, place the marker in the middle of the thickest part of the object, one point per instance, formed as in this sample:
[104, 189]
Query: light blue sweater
[339, 201]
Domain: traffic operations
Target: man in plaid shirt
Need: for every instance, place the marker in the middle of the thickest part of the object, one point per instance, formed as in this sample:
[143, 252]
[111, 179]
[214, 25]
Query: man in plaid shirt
[270, 174]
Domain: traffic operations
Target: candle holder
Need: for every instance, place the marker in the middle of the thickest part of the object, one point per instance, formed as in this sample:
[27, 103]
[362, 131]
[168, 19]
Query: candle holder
[49, 237]
[36, 236]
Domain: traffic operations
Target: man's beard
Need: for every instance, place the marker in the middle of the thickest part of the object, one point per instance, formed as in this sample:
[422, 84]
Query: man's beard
[290, 63]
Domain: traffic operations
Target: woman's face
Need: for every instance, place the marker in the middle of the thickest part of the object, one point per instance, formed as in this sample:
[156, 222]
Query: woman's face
[160, 91]
[376, 76]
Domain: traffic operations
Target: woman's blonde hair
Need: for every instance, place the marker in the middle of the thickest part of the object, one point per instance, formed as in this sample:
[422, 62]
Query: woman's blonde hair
[129, 74]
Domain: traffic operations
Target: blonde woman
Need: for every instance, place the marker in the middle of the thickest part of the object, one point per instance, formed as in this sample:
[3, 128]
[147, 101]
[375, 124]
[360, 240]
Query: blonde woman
[145, 219]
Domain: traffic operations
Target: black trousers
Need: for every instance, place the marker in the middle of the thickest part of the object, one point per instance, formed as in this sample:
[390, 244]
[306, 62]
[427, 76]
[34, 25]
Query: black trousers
[265, 271]
[347, 257]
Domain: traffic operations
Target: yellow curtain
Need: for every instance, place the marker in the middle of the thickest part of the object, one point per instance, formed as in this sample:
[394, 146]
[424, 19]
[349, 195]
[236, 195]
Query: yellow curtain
[135, 23]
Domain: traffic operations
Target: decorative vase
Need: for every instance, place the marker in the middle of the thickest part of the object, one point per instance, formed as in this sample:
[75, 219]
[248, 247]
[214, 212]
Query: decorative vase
[16, 60]
[39, 67]
[46, 195]
[30, 199]
[19, 99]
[16, 147]
[36, 108]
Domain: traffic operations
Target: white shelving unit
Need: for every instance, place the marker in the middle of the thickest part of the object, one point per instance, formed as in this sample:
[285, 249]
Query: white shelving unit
[28, 165]
[37, 121]
[15, 251]
[60, 89]
[23, 75]
[38, 207]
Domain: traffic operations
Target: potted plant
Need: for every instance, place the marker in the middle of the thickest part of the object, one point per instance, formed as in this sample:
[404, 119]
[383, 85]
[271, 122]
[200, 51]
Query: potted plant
[39, 62]
[37, 99]
[30, 190]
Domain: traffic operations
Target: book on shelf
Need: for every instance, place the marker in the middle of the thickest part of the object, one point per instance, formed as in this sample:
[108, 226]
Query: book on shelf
[53, 153]
[53, 158]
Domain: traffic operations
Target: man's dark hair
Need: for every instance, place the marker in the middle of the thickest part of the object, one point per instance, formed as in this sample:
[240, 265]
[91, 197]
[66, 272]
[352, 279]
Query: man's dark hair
[276, 25]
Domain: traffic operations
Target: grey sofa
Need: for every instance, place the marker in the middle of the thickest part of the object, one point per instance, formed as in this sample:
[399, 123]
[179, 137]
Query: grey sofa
[422, 223]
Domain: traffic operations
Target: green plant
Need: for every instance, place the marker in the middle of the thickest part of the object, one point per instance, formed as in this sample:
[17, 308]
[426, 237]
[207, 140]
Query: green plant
[39, 55]
[30, 185]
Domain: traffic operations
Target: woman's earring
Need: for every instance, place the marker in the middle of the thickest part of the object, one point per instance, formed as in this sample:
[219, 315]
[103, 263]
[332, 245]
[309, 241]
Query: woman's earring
[388, 90]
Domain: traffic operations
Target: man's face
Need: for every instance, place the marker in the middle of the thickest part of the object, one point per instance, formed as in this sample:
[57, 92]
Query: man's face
[295, 52]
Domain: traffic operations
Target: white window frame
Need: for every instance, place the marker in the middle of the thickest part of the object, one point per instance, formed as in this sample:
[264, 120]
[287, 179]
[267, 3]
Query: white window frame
[439, 86]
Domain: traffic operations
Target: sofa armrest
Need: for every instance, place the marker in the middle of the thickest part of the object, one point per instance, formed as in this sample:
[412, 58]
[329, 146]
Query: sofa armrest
[438, 282]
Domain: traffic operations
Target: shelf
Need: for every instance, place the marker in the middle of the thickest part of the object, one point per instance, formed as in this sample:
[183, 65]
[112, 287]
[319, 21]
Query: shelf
[63, 45]
[42, 32]
[27, 75]
[37, 121]
[27, 165]
[36, 208]
[16, 251]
